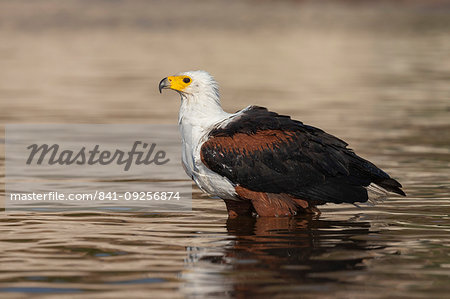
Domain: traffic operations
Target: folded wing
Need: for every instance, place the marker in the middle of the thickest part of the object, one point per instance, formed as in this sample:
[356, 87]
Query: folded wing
[266, 152]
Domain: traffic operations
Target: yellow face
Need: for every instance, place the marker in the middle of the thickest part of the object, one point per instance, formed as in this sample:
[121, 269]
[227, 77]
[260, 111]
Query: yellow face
[179, 83]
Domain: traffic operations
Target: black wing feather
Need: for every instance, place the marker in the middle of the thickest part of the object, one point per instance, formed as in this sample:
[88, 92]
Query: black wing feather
[311, 165]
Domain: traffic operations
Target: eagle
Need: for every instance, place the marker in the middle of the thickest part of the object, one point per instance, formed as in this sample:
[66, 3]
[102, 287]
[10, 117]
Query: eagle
[264, 163]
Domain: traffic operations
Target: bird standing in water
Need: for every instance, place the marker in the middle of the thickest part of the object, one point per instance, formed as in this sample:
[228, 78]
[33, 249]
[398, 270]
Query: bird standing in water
[261, 162]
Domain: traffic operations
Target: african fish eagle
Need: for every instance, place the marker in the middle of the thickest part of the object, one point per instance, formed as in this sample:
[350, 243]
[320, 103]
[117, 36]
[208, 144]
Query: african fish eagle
[260, 161]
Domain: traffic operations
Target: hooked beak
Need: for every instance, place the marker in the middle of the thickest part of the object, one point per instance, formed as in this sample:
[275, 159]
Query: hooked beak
[164, 84]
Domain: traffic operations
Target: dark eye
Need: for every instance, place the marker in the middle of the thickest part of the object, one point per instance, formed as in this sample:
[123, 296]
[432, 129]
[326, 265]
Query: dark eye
[186, 80]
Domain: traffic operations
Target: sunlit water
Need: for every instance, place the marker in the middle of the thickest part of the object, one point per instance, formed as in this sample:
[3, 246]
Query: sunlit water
[380, 81]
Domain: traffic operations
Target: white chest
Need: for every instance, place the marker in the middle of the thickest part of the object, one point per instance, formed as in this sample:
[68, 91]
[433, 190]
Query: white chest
[207, 180]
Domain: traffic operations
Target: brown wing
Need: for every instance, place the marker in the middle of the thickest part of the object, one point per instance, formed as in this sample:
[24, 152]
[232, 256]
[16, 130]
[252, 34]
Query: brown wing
[266, 152]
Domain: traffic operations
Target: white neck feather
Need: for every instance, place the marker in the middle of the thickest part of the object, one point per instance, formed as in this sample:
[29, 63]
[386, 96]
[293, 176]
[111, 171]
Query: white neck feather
[201, 110]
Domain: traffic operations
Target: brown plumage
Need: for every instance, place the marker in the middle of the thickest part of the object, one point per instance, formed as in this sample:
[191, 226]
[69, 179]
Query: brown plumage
[283, 167]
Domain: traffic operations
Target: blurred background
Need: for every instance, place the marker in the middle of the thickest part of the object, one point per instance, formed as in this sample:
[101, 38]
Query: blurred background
[374, 73]
[100, 61]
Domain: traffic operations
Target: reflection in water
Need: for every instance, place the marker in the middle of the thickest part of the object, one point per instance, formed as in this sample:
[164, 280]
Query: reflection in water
[296, 251]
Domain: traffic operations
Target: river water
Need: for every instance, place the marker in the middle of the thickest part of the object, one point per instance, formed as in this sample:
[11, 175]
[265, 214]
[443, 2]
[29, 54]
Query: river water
[376, 76]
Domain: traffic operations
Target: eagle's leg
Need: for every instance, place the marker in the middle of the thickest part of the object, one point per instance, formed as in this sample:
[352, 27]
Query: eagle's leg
[271, 204]
[281, 205]
[239, 207]
[311, 209]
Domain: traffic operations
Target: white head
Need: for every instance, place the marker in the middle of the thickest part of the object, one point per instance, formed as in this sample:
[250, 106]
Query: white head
[193, 86]
[200, 102]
